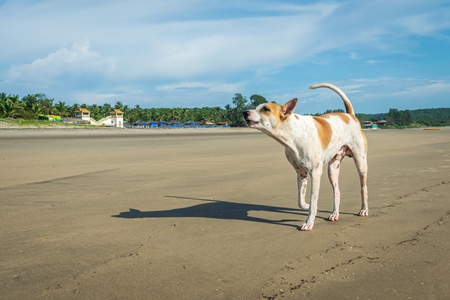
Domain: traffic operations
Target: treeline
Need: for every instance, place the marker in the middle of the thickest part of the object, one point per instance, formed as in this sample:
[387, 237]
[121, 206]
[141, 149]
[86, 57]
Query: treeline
[405, 118]
[31, 106]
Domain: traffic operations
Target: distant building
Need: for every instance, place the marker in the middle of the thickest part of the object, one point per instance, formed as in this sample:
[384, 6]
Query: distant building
[370, 125]
[116, 117]
[382, 122]
[83, 114]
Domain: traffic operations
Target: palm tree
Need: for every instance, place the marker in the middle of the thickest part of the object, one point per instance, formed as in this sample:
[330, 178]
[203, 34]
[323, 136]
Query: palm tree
[118, 105]
[73, 108]
[36, 109]
[62, 109]
[96, 112]
[15, 100]
[156, 115]
[9, 108]
[106, 109]
[46, 105]
[3, 97]
[30, 102]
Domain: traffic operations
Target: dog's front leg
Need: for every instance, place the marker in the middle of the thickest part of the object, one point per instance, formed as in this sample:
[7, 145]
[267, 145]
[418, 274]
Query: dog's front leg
[302, 179]
[315, 184]
[302, 183]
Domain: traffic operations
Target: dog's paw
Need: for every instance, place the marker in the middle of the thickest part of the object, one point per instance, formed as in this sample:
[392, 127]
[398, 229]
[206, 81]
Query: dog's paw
[363, 213]
[307, 227]
[333, 217]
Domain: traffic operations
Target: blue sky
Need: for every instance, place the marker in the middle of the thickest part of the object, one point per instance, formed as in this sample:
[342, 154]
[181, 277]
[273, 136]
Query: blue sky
[196, 53]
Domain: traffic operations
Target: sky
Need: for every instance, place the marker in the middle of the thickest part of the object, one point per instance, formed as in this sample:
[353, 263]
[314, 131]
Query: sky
[199, 53]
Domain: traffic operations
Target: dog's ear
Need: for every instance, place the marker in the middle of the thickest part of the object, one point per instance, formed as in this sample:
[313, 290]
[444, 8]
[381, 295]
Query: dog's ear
[288, 107]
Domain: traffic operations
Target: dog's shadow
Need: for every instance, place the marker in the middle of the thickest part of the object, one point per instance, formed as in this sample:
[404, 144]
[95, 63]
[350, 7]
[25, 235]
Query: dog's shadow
[218, 209]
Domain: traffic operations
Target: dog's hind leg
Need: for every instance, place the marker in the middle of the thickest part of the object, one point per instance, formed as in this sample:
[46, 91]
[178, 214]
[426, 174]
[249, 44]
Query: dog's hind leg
[361, 165]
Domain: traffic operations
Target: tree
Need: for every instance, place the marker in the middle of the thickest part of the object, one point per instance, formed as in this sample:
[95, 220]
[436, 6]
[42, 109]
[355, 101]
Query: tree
[45, 103]
[256, 100]
[118, 105]
[330, 111]
[7, 109]
[235, 113]
[10, 106]
[105, 109]
[240, 102]
[95, 112]
[3, 97]
[30, 102]
[61, 109]
[73, 108]
[399, 117]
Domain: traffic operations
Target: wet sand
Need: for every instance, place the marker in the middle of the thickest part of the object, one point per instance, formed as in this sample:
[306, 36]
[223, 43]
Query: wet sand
[212, 214]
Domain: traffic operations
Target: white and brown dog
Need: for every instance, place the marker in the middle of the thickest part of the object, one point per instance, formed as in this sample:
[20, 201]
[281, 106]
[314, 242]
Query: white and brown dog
[310, 142]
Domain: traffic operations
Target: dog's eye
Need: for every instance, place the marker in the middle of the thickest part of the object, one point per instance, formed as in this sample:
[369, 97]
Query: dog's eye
[266, 109]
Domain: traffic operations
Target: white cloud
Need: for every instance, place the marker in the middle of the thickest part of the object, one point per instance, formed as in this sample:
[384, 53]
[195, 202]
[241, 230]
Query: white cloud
[79, 59]
[423, 89]
[427, 23]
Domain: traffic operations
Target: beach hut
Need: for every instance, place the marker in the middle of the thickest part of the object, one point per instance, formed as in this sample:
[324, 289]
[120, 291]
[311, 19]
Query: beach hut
[116, 117]
[83, 114]
[382, 123]
[175, 124]
[190, 124]
[370, 125]
[140, 124]
[152, 124]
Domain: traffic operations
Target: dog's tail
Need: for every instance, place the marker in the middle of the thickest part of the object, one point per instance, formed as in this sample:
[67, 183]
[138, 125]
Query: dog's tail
[347, 103]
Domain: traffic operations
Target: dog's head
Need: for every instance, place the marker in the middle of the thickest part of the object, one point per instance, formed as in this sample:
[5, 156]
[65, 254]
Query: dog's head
[269, 116]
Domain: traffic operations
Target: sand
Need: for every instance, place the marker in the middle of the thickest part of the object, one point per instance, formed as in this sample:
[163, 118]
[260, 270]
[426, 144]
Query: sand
[212, 214]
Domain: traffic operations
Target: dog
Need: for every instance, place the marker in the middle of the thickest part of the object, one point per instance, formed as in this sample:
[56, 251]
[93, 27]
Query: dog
[311, 142]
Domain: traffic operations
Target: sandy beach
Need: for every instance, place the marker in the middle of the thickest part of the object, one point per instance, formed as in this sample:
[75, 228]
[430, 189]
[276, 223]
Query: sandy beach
[212, 214]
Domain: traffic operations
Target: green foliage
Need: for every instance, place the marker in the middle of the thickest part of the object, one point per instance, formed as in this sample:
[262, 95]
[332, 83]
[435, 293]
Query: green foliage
[31, 106]
[432, 116]
[411, 118]
[256, 100]
[61, 109]
[10, 106]
[399, 117]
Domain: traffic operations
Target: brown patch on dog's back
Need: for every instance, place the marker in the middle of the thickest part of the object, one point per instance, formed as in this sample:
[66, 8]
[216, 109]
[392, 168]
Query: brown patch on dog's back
[324, 131]
[344, 117]
[355, 118]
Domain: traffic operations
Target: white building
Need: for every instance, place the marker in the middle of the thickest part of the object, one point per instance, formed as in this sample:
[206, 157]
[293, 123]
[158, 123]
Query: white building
[83, 114]
[115, 118]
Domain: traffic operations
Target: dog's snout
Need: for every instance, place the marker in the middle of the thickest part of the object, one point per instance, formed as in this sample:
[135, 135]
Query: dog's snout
[246, 113]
